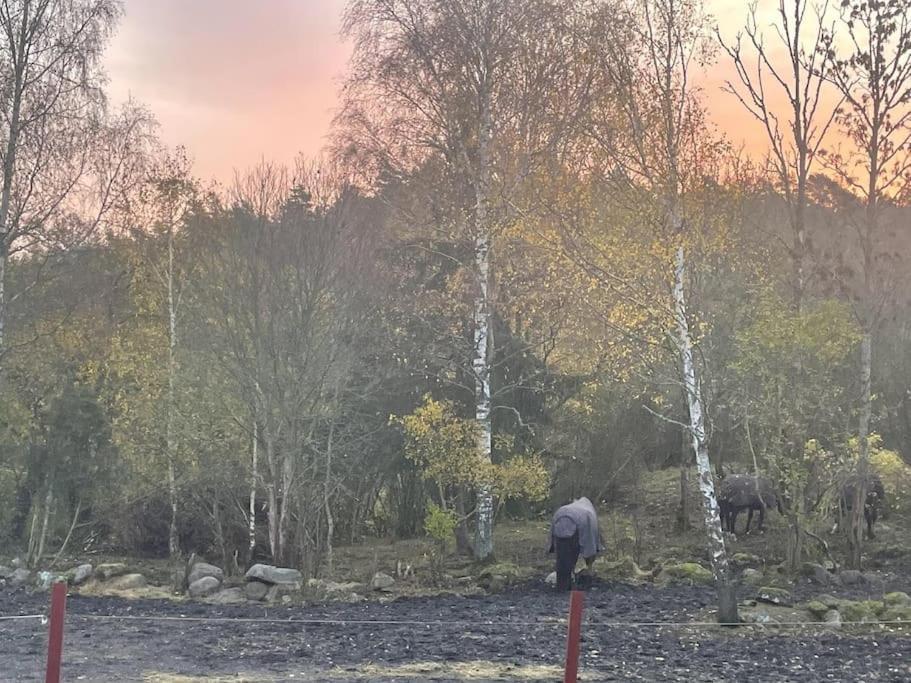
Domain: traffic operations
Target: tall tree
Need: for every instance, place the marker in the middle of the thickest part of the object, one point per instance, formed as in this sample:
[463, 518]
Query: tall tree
[796, 131]
[874, 80]
[65, 161]
[479, 86]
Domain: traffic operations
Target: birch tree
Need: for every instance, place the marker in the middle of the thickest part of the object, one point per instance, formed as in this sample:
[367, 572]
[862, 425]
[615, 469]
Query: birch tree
[649, 122]
[166, 200]
[727, 596]
[66, 162]
[469, 84]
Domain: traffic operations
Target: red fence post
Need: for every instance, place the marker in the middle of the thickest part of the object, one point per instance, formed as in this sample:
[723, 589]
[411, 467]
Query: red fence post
[55, 633]
[572, 638]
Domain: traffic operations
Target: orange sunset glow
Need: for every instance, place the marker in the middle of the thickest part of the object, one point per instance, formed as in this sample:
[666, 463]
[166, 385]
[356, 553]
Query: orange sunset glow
[236, 81]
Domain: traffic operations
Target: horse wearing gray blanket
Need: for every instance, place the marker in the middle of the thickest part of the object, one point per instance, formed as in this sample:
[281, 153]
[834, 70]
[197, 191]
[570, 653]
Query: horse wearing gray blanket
[574, 531]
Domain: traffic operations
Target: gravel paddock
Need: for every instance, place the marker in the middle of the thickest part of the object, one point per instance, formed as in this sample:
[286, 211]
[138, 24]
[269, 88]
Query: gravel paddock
[194, 641]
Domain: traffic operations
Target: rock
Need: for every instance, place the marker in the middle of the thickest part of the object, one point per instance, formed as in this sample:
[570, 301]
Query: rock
[19, 577]
[127, 582]
[17, 563]
[273, 575]
[256, 590]
[758, 618]
[6, 572]
[851, 577]
[774, 596]
[110, 570]
[832, 618]
[816, 573]
[228, 596]
[817, 609]
[689, 572]
[551, 579]
[382, 582]
[201, 570]
[204, 587]
[751, 576]
[829, 601]
[282, 592]
[862, 611]
[897, 599]
[79, 575]
[746, 560]
[44, 580]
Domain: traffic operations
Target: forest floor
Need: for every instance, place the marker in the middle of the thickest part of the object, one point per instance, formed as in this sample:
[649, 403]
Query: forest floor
[462, 633]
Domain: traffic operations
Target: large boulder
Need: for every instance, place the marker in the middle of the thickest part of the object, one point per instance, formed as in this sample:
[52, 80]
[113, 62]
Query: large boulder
[128, 582]
[740, 560]
[752, 577]
[19, 577]
[228, 596]
[204, 587]
[202, 570]
[382, 582]
[774, 596]
[687, 572]
[256, 590]
[266, 573]
[79, 575]
[816, 573]
[851, 577]
[109, 570]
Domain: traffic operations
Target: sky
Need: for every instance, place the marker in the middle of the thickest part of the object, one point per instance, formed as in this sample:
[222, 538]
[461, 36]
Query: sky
[239, 81]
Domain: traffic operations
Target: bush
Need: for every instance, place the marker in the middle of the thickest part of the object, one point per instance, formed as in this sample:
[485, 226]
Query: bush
[440, 525]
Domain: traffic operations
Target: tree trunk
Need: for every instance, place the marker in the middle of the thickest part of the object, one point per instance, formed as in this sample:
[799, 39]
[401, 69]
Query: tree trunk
[272, 493]
[171, 445]
[483, 341]
[284, 517]
[856, 527]
[42, 538]
[251, 528]
[727, 597]
[683, 509]
[327, 499]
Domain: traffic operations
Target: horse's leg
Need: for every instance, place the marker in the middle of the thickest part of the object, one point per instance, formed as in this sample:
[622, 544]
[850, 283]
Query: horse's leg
[761, 517]
[749, 519]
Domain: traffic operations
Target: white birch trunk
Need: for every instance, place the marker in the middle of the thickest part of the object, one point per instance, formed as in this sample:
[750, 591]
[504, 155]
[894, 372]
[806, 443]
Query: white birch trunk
[483, 342]
[727, 601]
[251, 528]
[173, 539]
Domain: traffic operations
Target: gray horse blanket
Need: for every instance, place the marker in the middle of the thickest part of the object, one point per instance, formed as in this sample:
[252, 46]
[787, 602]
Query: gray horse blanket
[578, 516]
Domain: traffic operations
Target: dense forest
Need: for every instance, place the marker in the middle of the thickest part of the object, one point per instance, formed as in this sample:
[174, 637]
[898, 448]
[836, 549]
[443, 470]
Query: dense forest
[526, 261]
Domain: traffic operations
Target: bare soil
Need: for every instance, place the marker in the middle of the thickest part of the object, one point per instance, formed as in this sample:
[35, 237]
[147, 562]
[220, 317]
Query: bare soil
[511, 636]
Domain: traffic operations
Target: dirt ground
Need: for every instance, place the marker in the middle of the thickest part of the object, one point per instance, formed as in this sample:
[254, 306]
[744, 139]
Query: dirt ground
[517, 635]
